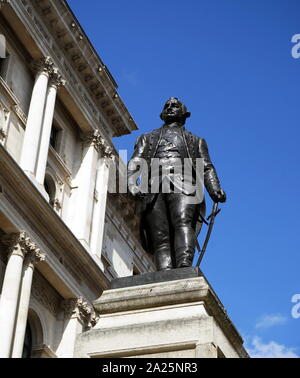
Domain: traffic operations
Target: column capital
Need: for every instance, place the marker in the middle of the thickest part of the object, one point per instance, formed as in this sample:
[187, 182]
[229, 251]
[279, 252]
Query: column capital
[19, 244]
[56, 79]
[35, 256]
[43, 65]
[4, 2]
[81, 309]
[94, 138]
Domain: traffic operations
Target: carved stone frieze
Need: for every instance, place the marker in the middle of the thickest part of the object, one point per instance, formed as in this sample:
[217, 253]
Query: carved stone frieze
[45, 294]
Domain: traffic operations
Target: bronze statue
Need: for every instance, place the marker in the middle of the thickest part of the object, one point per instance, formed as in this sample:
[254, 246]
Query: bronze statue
[170, 221]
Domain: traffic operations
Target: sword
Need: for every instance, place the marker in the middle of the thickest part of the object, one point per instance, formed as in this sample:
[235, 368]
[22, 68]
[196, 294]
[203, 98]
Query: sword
[211, 219]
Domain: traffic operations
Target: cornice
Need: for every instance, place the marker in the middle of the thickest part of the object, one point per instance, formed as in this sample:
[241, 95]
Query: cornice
[56, 32]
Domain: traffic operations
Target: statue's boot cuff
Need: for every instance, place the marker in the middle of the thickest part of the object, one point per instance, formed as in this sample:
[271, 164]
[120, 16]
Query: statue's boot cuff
[163, 259]
[184, 258]
[184, 263]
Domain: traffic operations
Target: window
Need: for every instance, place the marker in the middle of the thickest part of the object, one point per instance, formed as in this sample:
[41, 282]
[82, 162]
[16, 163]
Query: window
[55, 137]
[4, 66]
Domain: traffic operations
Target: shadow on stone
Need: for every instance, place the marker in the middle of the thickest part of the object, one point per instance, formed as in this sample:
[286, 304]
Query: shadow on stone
[155, 277]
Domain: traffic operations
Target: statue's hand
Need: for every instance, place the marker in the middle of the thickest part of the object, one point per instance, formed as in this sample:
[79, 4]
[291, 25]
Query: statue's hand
[219, 196]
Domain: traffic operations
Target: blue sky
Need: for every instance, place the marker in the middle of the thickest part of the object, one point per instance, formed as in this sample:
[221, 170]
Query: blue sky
[230, 62]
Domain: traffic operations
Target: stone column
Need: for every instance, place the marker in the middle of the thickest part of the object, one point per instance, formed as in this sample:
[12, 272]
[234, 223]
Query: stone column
[56, 81]
[31, 259]
[101, 196]
[32, 135]
[18, 244]
[79, 316]
[85, 181]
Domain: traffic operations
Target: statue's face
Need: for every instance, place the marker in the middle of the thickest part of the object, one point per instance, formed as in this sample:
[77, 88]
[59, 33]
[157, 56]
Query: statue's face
[172, 111]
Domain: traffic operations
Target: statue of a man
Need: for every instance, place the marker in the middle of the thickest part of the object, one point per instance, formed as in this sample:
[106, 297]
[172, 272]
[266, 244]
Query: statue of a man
[170, 221]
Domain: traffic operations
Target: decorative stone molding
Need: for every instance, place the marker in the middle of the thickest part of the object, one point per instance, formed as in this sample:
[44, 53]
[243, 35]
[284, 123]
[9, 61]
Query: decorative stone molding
[2, 134]
[35, 257]
[19, 112]
[45, 294]
[19, 244]
[94, 138]
[57, 205]
[42, 351]
[4, 2]
[56, 78]
[3, 122]
[44, 65]
[82, 309]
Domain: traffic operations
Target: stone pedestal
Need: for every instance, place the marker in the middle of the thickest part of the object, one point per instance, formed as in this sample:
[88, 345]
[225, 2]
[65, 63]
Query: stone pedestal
[174, 318]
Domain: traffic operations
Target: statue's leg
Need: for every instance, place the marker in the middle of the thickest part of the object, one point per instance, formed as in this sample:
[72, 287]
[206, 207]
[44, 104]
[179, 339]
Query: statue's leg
[183, 216]
[158, 229]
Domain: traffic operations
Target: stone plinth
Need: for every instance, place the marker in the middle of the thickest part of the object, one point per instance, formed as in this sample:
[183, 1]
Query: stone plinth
[177, 318]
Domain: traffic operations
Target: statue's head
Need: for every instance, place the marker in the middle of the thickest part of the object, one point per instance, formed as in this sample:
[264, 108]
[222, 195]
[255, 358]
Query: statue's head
[174, 111]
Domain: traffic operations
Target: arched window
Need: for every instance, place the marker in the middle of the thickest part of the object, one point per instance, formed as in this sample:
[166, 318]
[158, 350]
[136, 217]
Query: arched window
[27, 349]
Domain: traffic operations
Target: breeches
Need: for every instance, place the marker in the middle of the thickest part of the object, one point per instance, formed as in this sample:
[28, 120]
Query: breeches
[170, 223]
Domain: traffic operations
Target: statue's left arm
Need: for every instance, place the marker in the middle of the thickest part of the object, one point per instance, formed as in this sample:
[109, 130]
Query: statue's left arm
[135, 163]
[211, 180]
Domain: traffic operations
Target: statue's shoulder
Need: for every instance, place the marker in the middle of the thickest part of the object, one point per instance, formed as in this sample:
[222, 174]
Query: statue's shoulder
[147, 137]
[153, 135]
[141, 138]
[193, 138]
[155, 132]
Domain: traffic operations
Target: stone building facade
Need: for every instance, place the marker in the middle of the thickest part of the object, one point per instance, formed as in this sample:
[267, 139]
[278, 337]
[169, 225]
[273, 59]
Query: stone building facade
[63, 237]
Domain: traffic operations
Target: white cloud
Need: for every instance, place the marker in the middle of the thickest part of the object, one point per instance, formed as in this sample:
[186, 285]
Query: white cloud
[270, 350]
[268, 321]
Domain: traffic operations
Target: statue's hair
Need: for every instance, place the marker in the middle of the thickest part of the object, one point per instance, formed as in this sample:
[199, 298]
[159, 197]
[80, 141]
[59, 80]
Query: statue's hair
[186, 113]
